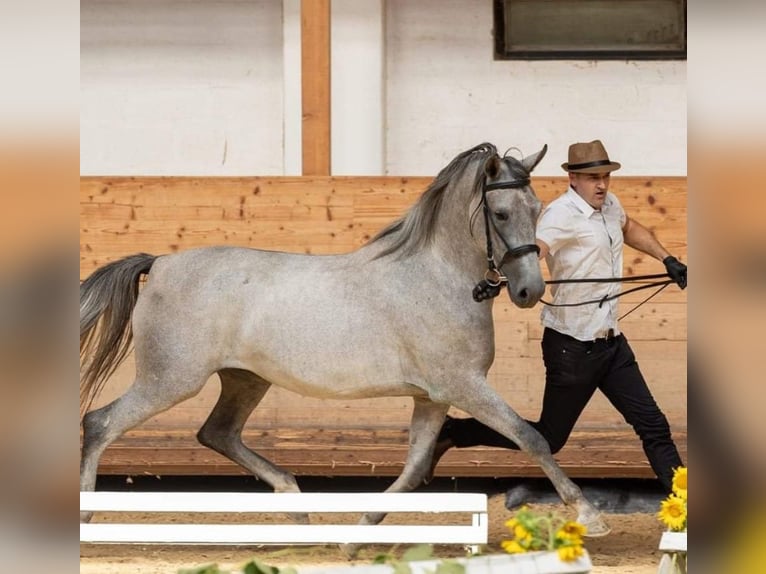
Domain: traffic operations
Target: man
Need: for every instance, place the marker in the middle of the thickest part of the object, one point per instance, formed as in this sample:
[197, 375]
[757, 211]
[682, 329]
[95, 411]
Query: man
[581, 235]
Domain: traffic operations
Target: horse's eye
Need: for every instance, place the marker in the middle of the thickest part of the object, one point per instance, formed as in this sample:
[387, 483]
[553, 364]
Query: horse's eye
[501, 215]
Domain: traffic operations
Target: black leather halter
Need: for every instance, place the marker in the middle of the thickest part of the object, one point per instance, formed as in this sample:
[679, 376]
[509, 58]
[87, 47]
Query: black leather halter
[493, 275]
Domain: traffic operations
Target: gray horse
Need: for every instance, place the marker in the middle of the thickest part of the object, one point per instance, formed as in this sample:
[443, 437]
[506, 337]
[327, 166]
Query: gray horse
[393, 318]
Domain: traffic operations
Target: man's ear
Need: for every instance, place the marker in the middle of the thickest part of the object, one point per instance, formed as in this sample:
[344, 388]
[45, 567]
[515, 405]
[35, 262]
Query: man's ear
[531, 161]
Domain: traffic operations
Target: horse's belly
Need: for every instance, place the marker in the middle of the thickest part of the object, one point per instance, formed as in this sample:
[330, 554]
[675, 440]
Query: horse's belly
[346, 389]
[324, 379]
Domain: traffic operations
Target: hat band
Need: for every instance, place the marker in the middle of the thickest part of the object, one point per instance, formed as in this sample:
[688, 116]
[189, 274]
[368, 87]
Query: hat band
[574, 166]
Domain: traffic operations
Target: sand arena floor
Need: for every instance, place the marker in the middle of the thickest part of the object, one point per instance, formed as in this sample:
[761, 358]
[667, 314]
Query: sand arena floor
[631, 547]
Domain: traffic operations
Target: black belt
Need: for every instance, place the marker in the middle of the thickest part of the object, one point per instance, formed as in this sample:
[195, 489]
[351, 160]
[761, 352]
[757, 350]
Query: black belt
[610, 335]
[610, 338]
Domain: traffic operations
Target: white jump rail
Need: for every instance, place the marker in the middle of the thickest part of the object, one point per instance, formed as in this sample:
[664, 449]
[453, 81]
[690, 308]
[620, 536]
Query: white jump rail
[671, 543]
[472, 534]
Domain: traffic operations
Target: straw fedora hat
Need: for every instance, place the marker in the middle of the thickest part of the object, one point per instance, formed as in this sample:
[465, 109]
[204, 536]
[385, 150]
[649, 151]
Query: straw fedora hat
[589, 157]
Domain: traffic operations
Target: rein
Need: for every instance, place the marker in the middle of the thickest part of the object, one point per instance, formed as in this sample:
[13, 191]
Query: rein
[660, 284]
[493, 275]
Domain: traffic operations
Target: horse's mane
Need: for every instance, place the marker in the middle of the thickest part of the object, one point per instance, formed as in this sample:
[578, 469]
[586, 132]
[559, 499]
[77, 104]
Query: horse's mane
[416, 228]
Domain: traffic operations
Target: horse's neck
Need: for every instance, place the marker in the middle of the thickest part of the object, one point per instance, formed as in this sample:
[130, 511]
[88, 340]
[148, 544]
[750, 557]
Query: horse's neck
[452, 252]
[453, 240]
[457, 248]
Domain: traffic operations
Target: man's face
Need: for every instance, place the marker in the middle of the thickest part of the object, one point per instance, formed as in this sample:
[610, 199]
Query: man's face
[592, 187]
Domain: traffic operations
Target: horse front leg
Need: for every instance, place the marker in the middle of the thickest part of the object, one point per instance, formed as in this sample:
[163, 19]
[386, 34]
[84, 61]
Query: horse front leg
[484, 404]
[427, 420]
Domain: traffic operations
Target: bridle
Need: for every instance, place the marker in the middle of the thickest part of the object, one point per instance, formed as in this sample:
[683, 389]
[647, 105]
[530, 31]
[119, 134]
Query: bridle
[494, 278]
[493, 275]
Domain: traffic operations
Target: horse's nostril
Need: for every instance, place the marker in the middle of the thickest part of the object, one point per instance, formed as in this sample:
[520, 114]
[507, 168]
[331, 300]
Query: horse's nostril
[523, 294]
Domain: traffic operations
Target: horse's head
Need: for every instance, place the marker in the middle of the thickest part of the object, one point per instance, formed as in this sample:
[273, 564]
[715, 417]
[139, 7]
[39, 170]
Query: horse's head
[512, 209]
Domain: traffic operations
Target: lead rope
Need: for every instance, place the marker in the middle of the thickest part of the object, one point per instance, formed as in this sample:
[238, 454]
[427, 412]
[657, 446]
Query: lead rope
[662, 285]
[605, 298]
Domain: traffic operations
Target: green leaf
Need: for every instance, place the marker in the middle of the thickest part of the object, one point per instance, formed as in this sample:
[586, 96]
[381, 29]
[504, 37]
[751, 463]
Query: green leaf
[401, 568]
[382, 559]
[258, 567]
[420, 552]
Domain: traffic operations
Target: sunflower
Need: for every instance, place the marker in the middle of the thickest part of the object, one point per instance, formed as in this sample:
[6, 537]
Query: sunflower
[680, 482]
[533, 531]
[569, 553]
[673, 512]
[512, 547]
[573, 531]
[511, 523]
[523, 535]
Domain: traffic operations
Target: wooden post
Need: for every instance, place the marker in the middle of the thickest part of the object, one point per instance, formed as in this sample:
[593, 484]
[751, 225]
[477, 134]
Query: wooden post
[315, 86]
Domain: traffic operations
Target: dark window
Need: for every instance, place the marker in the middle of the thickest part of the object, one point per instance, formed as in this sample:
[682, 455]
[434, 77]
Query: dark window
[590, 29]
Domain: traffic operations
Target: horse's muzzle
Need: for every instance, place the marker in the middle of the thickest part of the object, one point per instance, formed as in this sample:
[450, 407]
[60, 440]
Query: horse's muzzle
[526, 294]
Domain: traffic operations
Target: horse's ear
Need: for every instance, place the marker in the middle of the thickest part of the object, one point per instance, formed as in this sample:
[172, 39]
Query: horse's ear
[531, 161]
[492, 166]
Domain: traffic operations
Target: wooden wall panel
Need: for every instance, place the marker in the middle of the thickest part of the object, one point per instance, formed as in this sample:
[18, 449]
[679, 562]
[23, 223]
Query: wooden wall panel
[321, 215]
[318, 215]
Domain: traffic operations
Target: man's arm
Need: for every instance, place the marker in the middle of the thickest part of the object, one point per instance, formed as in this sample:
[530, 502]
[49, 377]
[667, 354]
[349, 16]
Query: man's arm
[639, 237]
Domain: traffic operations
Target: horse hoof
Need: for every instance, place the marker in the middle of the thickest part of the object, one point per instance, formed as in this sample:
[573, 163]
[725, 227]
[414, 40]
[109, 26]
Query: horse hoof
[349, 550]
[518, 496]
[595, 528]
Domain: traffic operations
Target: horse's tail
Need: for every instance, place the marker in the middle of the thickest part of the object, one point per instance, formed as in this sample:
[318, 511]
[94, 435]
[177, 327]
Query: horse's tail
[107, 299]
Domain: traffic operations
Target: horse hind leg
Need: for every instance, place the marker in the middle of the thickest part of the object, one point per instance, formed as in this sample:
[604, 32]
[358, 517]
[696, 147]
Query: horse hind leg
[427, 419]
[103, 426]
[241, 391]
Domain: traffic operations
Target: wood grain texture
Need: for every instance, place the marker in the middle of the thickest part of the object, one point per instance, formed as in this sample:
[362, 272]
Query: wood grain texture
[593, 453]
[321, 215]
[316, 86]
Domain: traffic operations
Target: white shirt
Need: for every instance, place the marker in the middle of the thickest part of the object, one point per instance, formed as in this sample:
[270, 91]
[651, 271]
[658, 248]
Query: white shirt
[584, 243]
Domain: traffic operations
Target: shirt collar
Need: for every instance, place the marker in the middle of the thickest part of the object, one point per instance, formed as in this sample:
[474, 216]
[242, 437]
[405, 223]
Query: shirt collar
[583, 205]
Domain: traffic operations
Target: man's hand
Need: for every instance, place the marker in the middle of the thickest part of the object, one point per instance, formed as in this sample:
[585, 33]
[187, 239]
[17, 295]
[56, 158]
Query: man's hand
[484, 290]
[676, 270]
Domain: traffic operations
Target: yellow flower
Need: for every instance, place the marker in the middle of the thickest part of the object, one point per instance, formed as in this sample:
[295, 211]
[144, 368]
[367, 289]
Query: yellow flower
[512, 547]
[569, 553]
[673, 512]
[522, 534]
[548, 531]
[511, 523]
[680, 482]
[573, 531]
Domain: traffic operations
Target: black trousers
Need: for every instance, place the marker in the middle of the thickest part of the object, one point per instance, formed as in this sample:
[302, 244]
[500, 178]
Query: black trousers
[573, 371]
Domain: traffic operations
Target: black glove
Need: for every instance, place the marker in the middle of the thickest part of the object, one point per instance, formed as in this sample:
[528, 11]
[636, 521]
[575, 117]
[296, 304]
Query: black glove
[676, 270]
[484, 290]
